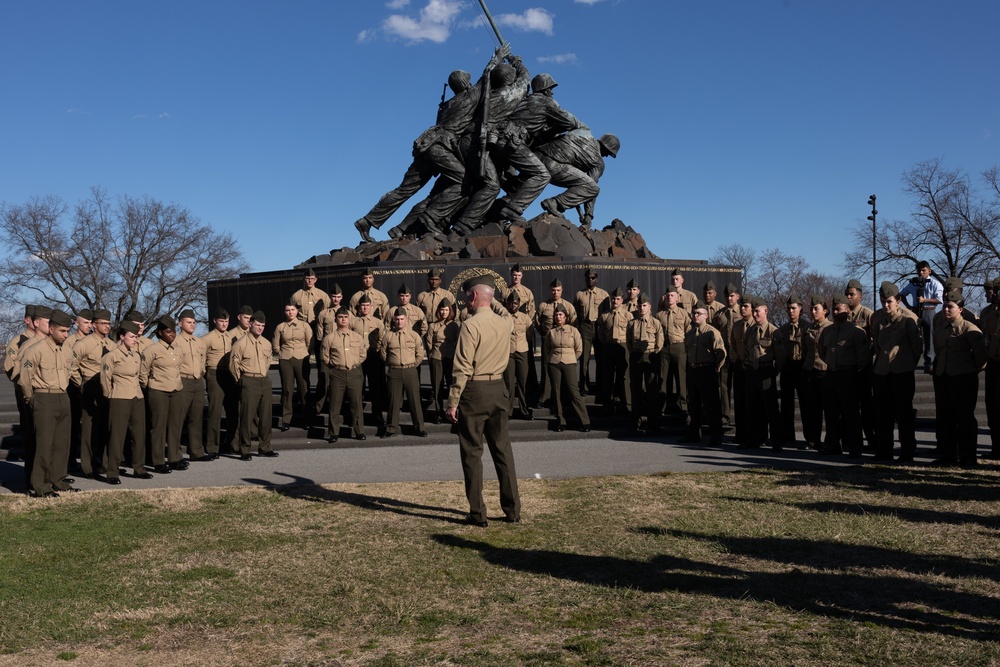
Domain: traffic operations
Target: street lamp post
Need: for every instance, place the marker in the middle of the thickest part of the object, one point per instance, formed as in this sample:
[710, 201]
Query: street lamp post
[871, 202]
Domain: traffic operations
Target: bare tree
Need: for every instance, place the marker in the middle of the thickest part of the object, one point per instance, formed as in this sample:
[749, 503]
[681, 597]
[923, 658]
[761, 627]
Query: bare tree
[741, 256]
[132, 253]
[984, 223]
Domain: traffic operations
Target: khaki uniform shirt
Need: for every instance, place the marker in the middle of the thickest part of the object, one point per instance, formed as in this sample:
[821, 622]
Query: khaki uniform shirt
[791, 334]
[310, 302]
[10, 359]
[193, 356]
[737, 342]
[862, 316]
[429, 300]
[75, 338]
[482, 351]
[344, 350]
[401, 348]
[89, 357]
[565, 345]
[519, 334]
[380, 302]
[990, 325]
[45, 366]
[161, 367]
[142, 343]
[590, 303]
[704, 345]
[414, 318]
[763, 345]
[120, 373]
[218, 345]
[527, 299]
[545, 315]
[645, 334]
[292, 340]
[844, 346]
[714, 309]
[371, 328]
[326, 323]
[896, 343]
[724, 321]
[960, 348]
[238, 332]
[811, 358]
[612, 327]
[440, 339]
[251, 355]
[676, 323]
[686, 300]
[632, 306]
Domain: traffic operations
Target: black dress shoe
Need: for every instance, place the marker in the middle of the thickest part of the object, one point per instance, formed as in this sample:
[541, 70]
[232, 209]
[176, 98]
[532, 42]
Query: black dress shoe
[584, 429]
[163, 469]
[179, 465]
[560, 428]
[511, 519]
[143, 475]
[68, 480]
[203, 457]
[332, 439]
[114, 481]
[284, 427]
[214, 455]
[245, 457]
[903, 458]
[421, 434]
[475, 522]
[360, 436]
[269, 454]
[388, 435]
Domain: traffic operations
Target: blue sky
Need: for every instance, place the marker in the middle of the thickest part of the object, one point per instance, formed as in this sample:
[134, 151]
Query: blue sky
[763, 122]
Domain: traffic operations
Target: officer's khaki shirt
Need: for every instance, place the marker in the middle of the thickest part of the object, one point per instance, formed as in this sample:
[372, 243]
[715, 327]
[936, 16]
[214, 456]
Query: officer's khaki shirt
[704, 345]
[251, 355]
[401, 348]
[310, 302]
[844, 346]
[676, 323]
[192, 356]
[441, 337]
[218, 345]
[526, 296]
[565, 345]
[120, 373]
[45, 366]
[545, 315]
[344, 350]
[380, 302]
[896, 343]
[482, 351]
[612, 327]
[645, 335]
[590, 303]
[811, 358]
[89, 357]
[763, 345]
[959, 348]
[292, 340]
[161, 367]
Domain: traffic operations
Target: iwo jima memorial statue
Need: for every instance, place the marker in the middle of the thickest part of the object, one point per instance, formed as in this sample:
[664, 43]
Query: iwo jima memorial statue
[495, 146]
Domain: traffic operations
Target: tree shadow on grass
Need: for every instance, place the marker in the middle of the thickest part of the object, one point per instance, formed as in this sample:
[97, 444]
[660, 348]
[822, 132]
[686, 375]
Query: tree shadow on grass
[303, 488]
[848, 590]
[924, 482]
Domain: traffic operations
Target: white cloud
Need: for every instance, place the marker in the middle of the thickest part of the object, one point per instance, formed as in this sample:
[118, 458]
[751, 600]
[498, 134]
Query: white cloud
[586, 2]
[397, 4]
[559, 59]
[365, 36]
[434, 23]
[534, 19]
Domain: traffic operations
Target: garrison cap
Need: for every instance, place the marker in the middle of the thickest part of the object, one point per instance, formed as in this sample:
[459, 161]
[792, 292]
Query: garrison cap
[42, 313]
[512, 298]
[589, 272]
[258, 316]
[399, 312]
[166, 322]
[634, 283]
[746, 300]
[793, 299]
[135, 316]
[102, 314]
[996, 284]
[309, 273]
[954, 295]
[560, 309]
[709, 287]
[367, 271]
[364, 299]
[85, 313]
[953, 283]
[446, 302]
[516, 268]
[987, 284]
[246, 310]
[60, 319]
[556, 283]
[403, 289]
[671, 288]
[129, 326]
[342, 311]
[676, 272]
[887, 289]
[699, 305]
[487, 280]
[854, 284]
[731, 289]
[642, 298]
[29, 310]
[817, 300]
[187, 312]
[435, 273]
[335, 289]
[757, 302]
[839, 300]
[617, 292]
[220, 313]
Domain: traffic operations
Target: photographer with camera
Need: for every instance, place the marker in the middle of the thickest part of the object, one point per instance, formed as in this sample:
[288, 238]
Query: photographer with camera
[925, 294]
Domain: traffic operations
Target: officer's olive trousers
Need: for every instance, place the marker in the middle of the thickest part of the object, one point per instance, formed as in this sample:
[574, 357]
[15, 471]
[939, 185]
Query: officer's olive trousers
[482, 413]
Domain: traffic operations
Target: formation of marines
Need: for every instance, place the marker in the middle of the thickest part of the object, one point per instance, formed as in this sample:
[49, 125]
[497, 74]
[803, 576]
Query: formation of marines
[109, 397]
[505, 132]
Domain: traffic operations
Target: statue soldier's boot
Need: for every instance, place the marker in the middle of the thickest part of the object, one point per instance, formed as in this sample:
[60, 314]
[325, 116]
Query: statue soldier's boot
[509, 214]
[364, 227]
[552, 206]
[396, 233]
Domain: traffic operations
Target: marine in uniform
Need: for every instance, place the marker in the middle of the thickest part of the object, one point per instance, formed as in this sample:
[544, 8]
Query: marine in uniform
[813, 373]
[310, 302]
[326, 323]
[429, 300]
[126, 405]
[292, 343]
[89, 354]
[705, 355]
[478, 402]
[861, 316]
[544, 321]
[160, 374]
[612, 332]
[790, 379]
[342, 352]
[527, 299]
[402, 351]
[45, 369]
[897, 346]
[379, 301]
[84, 326]
[644, 339]
[192, 408]
[590, 302]
[738, 353]
[223, 394]
[685, 298]
[11, 368]
[632, 291]
[990, 325]
[676, 323]
[371, 328]
[765, 351]
[439, 340]
[565, 346]
[416, 318]
[517, 368]
[847, 352]
[960, 353]
[250, 363]
[714, 307]
[724, 320]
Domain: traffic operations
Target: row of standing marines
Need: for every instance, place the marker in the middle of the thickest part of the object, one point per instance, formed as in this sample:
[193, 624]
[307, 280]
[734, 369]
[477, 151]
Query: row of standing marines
[717, 364]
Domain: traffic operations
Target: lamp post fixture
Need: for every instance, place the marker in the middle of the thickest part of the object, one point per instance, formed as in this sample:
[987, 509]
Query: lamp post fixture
[871, 202]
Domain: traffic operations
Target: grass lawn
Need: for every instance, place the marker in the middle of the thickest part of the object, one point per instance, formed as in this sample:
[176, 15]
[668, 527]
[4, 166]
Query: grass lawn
[878, 566]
